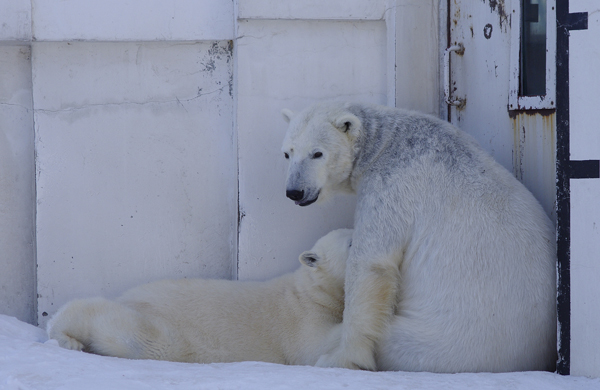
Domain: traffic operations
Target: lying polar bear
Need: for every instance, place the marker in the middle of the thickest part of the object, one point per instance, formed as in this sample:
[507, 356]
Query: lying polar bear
[292, 319]
[453, 261]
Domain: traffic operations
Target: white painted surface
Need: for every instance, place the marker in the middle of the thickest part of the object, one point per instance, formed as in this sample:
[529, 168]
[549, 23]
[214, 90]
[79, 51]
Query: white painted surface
[584, 84]
[136, 166]
[289, 64]
[17, 185]
[132, 20]
[524, 142]
[417, 42]
[480, 76]
[585, 274]
[534, 156]
[15, 20]
[313, 9]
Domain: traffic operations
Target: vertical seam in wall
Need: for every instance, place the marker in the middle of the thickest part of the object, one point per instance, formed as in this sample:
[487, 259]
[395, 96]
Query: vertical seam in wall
[240, 216]
[390, 25]
[445, 110]
[35, 171]
[31, 20]
[35, 187]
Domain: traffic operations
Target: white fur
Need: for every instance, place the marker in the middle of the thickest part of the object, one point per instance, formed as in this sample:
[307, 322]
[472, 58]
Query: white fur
[452, 266]
[292, 319]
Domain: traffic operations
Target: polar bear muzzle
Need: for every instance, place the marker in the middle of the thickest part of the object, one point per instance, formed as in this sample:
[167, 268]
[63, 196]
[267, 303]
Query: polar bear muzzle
[298, 197]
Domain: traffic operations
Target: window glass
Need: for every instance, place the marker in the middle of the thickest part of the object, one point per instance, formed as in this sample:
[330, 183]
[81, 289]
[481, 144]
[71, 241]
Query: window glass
[533, 48]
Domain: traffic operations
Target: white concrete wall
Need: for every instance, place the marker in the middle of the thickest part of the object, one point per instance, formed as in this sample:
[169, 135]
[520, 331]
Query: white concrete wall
[17, 184]
[584, 84]
[134, 143]
[417, 61]
[131, 20]
[148, 117]
[289, 64]
[136, 165]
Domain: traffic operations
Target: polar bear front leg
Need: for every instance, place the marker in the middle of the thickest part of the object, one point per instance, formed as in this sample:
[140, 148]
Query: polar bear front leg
[371, 288]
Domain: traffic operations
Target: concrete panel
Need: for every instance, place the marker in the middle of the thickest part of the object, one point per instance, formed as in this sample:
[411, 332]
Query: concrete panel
[584, 83]
[290, 64]
[136, 166]
[15, 20]
[417, 45]
[313, 9]
[585, 274]
[17, 185]
[132, 20]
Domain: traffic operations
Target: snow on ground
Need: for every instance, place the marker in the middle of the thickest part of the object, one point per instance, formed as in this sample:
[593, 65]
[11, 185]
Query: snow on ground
[29, 361]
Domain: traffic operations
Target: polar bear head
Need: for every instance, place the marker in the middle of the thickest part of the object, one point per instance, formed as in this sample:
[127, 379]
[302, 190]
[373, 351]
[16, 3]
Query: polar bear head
[326, 261]
[319, 145]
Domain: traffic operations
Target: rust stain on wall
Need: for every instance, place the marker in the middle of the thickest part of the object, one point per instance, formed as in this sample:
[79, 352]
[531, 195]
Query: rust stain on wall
[499, 7]
[534, 154]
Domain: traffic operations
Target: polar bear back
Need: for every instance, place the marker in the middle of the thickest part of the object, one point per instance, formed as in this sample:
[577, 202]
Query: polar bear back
[206, 315]
[479, 262]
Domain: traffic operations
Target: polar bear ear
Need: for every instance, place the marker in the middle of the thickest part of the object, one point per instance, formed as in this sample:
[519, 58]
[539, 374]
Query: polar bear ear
[309, 259]
[287, 114]
[348, 123]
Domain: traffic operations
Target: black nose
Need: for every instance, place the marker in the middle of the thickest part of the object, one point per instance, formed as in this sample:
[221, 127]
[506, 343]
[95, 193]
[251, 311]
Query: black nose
[294, 194]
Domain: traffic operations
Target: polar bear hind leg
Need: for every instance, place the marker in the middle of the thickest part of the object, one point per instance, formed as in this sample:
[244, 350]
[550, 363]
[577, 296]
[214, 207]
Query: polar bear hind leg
[100, 326]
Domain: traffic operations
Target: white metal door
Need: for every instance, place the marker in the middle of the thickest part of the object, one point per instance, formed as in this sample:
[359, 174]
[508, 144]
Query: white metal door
[479, 75]
[481, 88]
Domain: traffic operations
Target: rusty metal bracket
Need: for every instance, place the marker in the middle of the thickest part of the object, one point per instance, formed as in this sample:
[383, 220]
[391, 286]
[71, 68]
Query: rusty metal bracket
[460, 50]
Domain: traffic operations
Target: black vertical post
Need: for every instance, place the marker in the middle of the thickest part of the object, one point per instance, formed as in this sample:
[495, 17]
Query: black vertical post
[565, 170]
[563, 212]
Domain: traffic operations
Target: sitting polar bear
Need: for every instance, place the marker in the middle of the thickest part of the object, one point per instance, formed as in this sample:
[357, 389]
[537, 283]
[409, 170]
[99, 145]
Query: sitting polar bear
[292, 319]
[473, 249]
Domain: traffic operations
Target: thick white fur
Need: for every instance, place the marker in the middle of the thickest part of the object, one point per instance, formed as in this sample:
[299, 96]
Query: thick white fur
[452, 267]
[292, 319]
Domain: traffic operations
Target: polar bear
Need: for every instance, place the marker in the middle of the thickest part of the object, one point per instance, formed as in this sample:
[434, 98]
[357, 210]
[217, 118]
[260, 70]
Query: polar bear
[292, 319]
[452, 266]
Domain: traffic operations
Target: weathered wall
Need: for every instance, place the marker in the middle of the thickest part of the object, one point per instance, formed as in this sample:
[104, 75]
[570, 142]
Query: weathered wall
[131, 103]
[17, 184]
[136, 165]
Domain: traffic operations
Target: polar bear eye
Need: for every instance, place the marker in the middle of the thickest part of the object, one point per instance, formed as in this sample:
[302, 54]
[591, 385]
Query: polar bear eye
[317, 155]
[287, 156]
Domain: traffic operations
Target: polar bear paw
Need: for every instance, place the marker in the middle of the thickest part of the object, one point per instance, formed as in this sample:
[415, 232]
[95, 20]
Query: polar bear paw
[359, 360]
[69, 342]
